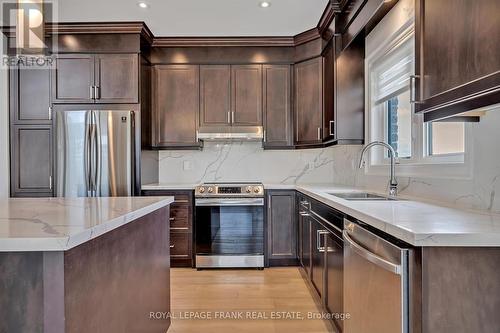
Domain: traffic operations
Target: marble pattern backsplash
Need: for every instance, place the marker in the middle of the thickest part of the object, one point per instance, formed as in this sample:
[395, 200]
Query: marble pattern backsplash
[247, 161]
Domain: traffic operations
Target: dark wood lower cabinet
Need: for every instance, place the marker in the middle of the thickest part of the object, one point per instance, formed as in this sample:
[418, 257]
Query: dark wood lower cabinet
[281, 228]
[321, 254]
[31, 161]
[181, 225]
[317, 256]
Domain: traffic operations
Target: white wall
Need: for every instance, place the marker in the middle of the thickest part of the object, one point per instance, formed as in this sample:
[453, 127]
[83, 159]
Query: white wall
[4, 130]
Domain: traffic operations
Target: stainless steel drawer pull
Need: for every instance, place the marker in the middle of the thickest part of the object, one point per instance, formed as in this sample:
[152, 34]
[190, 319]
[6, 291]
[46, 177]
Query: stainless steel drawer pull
[371, 257]
[320, 233]
[172, 246]
[172, 219]
[332, 127]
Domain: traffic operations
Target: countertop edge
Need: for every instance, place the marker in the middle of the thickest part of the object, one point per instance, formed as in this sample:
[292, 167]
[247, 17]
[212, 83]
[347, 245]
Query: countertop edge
[65, 243]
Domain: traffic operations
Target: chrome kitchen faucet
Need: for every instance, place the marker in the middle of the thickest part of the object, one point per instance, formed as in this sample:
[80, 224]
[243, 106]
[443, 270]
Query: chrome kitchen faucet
[393, 187]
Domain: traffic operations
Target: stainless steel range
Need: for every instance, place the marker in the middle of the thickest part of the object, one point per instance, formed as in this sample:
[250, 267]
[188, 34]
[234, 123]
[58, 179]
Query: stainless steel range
[229, 225]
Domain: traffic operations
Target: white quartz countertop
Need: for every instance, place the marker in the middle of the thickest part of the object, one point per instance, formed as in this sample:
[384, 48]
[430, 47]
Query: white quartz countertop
[59, 224]
[415, 222]
[410, 219]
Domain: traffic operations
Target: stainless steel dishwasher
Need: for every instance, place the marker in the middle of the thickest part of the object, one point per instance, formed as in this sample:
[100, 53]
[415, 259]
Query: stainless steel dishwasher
[376, 282]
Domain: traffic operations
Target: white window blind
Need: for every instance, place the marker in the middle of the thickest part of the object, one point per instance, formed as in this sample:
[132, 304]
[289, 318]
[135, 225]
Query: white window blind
[391, 74]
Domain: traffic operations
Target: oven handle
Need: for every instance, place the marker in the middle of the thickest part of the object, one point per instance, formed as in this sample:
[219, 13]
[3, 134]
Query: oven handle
[229, 202]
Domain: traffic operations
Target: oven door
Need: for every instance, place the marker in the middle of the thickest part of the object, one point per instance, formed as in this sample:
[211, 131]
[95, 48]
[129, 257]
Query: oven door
[229, 227]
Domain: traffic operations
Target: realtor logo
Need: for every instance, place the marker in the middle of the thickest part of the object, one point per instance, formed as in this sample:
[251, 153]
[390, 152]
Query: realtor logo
[28, 17]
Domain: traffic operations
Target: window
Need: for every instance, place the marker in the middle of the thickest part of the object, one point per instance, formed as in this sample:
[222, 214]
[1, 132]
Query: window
[423, 149]
[445, 138]
[398, 124]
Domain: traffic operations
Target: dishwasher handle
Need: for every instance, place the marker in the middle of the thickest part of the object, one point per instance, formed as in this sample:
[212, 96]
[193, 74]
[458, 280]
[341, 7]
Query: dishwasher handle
[372, 257]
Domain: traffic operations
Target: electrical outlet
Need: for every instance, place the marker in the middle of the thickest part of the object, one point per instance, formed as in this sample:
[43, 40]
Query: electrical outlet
[187, 165]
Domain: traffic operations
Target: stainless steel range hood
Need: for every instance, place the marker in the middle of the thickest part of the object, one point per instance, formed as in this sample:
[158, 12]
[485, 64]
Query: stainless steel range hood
[231, 133]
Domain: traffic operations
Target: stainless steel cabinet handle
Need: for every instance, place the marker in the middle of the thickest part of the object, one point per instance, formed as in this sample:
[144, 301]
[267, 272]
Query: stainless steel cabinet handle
[97, 92]
[91, 92]
[332, 127]
[371, 257]
[413, 79]
[171, 219]
[232, 117]
[50, 112]
[320, 233]
[229, 117]
[50, 182]
[172, 246]
[319, 133]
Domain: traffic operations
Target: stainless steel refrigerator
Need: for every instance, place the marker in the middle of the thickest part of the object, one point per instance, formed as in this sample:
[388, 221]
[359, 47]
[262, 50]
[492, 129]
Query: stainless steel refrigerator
[94, 153]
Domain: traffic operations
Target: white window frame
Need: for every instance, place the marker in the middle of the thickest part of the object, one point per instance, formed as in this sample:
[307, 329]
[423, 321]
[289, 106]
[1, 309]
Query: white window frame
[449, 166]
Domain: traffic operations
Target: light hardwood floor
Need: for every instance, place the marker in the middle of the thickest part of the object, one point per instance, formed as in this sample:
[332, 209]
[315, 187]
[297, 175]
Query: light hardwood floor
[222, 293]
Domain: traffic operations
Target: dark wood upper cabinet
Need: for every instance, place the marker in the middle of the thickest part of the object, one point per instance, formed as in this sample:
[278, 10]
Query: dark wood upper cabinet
[30, 95]
[457, 64]
[246, 101]
[73, 78]
[309, 101]
[215, 98]
[31, 160]
[102, 78]
[277, 109]
[329, 93]
[117, 78]
[176, 103]
[281, 228]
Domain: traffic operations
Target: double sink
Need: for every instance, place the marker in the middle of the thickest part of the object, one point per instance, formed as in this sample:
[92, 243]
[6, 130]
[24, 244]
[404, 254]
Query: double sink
[361, 196]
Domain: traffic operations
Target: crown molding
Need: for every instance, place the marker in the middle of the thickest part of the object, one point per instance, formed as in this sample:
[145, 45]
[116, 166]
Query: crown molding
[222, 41]
[332, 8]
[306, 36]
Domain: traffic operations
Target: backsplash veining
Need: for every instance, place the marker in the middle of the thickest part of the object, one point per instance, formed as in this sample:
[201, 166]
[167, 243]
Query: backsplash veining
[480, 191]
[247, 161]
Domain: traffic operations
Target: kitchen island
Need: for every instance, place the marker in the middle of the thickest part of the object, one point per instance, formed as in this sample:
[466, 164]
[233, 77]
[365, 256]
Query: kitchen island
[84, 264]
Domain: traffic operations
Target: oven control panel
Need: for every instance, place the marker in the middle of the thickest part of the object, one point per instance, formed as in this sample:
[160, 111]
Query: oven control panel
[230, 190]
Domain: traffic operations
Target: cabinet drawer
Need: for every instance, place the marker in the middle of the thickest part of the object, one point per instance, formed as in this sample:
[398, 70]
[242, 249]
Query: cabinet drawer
[179, 211]
[180, 245]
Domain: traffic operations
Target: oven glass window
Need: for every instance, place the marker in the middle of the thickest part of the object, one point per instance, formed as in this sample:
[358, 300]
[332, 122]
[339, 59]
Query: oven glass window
[229, 230]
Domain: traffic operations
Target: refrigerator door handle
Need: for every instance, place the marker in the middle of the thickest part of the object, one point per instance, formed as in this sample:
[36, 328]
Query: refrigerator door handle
[87, 153]
[93, 155]
[98, 155]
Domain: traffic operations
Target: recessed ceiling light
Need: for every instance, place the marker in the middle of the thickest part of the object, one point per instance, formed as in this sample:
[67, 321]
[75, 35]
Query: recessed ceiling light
[142, 4]
[264, 4]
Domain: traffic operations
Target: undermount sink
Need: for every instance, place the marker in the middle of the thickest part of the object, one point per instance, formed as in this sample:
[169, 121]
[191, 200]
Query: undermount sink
[362, 196]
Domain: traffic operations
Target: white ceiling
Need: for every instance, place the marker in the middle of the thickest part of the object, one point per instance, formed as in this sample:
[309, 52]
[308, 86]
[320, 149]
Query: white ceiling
[201, 17]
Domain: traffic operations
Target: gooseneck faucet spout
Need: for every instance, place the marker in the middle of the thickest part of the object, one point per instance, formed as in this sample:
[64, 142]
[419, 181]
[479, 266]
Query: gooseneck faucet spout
[393, 188]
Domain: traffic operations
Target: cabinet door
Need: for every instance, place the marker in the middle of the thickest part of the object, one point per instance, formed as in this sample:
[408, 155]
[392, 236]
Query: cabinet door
[277, 108]
[117, 78]
[281, 228]
[176, 105]
[458, 64]
[215, 99]
[30, 95]
[31, 162]
[246, 101]
[328, 130]
[73, 78]
[317, 255]
[334, 276]
[309, 101]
